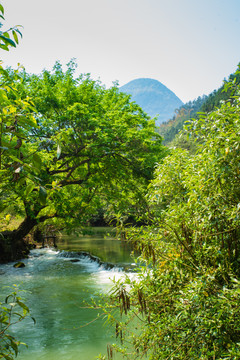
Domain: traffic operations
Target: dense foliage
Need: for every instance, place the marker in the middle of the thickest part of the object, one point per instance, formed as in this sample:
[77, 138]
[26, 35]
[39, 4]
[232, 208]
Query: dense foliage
[83, 148]
[214, 100]
[12, 311]
[171, 129]
[17, 111]
[186, 300]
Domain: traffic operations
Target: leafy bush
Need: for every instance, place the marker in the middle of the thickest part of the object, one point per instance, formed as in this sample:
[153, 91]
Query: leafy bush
[12, 311]
[185, 301]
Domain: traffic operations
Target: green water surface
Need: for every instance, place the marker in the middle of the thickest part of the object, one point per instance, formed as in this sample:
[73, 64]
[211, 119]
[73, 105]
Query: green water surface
[58, 283]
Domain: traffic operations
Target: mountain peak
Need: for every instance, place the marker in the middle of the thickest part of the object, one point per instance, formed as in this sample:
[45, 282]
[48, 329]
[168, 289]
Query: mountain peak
[154, 98]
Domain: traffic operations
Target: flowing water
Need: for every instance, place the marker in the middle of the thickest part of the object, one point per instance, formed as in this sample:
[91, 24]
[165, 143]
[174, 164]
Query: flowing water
[57, 282]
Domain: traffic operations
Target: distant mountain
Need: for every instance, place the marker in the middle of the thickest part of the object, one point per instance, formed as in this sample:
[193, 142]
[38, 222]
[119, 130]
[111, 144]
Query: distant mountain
[153, 97]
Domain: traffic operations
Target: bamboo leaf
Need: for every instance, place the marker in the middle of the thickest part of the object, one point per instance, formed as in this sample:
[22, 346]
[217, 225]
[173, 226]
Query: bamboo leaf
[7, 41]
[15, 36]
[23, 306]
[17, 30]
[14, 347]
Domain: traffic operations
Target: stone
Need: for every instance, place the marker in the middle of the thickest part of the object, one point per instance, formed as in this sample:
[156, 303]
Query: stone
[19, 264]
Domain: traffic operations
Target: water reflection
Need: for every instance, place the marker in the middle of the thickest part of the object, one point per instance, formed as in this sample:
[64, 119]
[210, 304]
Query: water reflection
[100, 242]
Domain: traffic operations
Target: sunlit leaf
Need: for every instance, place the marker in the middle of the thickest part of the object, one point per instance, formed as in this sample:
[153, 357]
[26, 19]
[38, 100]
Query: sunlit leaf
[23, 306]
[58, 151]
[29, 189]
[15, 36]
[42, 195]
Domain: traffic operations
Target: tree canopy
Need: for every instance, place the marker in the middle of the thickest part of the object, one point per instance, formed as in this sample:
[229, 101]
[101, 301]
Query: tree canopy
[69, 146]
[82, 147]
[171, 129]
[186, 300]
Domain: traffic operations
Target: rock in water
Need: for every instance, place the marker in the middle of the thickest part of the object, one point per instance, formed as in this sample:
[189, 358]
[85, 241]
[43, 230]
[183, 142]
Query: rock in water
[19, 264]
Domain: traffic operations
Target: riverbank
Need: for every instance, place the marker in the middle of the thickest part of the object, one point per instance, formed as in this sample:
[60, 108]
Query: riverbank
[13, 249]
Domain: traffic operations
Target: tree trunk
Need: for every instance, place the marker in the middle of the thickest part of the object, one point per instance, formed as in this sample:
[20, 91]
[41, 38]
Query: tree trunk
[12, 244]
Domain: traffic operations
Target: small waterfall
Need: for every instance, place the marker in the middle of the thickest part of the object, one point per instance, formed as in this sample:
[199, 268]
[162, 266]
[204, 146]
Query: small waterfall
[93, 262]
[58, 284]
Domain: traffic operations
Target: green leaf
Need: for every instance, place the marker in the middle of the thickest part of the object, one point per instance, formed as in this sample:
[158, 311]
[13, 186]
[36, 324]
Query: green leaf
[9, 296]
[37, 161]
[42, 195]
[14, 347]
[6, 34]
[15, 36]
[23, 306]
[7, 41]
[14, 158]
[29, 189]
[19, 30]
[1, 9]
[4, 47]
[58, 151]
[8, 357]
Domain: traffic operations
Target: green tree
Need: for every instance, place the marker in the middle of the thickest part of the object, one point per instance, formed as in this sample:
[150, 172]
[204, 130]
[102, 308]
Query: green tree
[185, 302]
[214, 100]
[170, 129]
[15, 118]
[92, 147]
[16, 121]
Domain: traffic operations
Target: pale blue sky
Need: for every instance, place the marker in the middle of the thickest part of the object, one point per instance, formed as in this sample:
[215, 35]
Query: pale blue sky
[190, 46]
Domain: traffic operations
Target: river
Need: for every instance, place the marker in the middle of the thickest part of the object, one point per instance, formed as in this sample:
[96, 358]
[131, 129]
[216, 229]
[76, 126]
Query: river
[57, 282]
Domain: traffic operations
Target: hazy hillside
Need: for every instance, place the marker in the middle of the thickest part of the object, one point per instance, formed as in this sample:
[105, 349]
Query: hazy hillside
[186, 112]
[154, 98]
